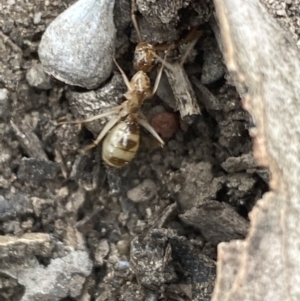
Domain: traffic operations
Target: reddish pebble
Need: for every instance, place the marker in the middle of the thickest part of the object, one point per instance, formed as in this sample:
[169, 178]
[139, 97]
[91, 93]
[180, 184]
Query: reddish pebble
[165, 124]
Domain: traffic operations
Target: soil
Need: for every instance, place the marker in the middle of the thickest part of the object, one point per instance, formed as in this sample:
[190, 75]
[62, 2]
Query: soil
[72, 228]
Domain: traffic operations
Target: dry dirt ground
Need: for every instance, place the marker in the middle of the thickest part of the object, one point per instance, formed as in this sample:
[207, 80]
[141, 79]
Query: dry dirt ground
[72, 228]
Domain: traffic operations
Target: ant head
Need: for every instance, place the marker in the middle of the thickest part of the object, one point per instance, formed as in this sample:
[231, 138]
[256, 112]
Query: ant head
[144, 57]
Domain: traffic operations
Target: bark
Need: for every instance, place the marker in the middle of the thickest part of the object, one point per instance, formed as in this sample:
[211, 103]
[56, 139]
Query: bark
[264, 63]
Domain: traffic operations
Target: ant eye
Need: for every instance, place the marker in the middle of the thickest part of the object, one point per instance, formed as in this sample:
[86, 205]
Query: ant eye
[135, 57]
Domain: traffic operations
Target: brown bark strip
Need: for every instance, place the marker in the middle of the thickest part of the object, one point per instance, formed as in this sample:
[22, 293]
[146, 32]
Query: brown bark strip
[264, 63]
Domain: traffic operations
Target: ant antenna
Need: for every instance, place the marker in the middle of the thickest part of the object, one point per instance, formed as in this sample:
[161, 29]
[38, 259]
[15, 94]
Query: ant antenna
[185, 55]
[134, 9]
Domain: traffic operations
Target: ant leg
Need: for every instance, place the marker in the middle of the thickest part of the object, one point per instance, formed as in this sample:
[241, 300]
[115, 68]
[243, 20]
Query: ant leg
[159, 74]
[157, 80]
[189, 48]
[104, 131]
[134, 20]
[164, 62]
[192, 44]
[112, 111]
[125, 78]
[144, 123]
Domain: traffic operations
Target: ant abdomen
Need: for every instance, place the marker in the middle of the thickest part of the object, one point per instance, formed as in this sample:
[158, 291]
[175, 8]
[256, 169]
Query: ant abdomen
[121, 143]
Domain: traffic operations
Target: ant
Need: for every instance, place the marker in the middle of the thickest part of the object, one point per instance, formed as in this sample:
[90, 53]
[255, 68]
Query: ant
[121, 134]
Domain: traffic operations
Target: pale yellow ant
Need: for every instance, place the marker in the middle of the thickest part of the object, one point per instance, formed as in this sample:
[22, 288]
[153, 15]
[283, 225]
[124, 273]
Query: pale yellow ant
[122, 134]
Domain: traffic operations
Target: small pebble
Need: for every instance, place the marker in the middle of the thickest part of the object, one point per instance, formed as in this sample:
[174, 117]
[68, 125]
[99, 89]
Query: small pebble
[144, 192]
[101, 251]
[37, 18]
[123, 247]
[4, 103]
[165, 124]
[123, 265]
[37, 78]
[37, 170]
[280, 12]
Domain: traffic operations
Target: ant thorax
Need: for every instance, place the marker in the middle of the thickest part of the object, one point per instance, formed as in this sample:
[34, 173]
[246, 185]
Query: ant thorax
[140, 87]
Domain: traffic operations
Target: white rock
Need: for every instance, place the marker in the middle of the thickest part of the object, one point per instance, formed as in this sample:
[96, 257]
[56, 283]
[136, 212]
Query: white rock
[77, 46]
